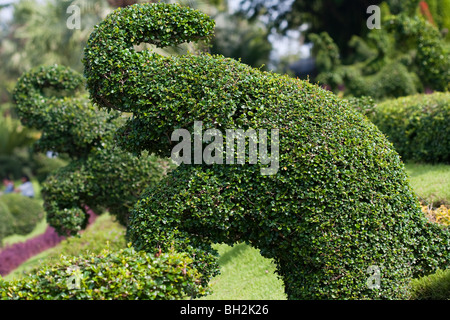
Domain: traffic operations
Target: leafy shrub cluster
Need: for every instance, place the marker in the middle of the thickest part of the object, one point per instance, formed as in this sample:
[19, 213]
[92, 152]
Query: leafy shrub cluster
[432, 58]
[98, 175]
[19, 215]
[109, 275]
[417, 125]
[339, 203]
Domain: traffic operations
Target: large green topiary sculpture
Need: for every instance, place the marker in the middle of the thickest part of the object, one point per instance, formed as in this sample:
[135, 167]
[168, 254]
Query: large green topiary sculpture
[337, 214]
[100, 175]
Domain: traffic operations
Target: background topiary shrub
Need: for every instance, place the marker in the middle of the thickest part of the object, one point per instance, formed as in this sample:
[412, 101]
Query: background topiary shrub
[97, 174]
[26, 212]
[417, 125]
[44, 166]
[339, 204]
[119, 275]
[6, 221]
[407, 55]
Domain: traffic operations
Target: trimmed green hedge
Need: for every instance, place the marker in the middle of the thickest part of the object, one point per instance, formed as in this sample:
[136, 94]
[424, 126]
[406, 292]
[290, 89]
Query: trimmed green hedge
[417, 125]
[120, 275]
[433, 287]
[339, 204]
[6, 221]
[26, 212]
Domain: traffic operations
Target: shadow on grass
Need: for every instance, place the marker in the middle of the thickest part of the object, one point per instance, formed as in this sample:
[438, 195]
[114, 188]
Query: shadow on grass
[233, 253]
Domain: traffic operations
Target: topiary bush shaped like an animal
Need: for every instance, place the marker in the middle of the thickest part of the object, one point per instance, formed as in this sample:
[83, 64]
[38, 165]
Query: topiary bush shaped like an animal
[337, 215]
[99, 175]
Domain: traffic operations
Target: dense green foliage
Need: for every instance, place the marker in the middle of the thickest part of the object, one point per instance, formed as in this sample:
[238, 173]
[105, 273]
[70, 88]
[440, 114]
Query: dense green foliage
[6, 221]
[98, 175]
[117, 275]
[339, 203]
[433, 287]
[417, 125]
[26, 213]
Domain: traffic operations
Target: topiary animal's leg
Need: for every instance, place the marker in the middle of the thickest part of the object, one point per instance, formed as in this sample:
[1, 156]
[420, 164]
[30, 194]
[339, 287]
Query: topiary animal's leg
[168, 215]
[63, 192]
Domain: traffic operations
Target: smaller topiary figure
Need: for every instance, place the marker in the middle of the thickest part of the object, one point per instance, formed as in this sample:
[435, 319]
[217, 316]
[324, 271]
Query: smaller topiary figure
[405, 57]
[99, 175]
[26, 213]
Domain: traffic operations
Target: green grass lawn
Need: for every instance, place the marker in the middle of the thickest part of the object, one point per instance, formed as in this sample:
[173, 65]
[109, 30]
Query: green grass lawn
[245, 274]
[430, 182]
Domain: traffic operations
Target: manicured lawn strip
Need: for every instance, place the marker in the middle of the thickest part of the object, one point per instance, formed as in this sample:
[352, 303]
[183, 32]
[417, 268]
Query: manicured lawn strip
[245, 275]
[430, 182]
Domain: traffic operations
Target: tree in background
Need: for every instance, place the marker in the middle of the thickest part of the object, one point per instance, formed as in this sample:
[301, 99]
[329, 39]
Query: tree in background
[341, 19]
[242, 40]
[409, 54]
[39, 35]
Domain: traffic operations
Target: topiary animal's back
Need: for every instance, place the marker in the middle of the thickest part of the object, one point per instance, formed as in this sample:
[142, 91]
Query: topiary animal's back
[340, 205]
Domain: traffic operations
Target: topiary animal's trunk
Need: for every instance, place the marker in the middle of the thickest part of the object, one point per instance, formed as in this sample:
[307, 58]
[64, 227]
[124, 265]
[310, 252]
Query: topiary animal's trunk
[112, 66]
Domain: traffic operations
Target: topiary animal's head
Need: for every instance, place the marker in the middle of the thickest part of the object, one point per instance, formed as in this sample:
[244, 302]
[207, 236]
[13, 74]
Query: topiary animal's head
[339, 205]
